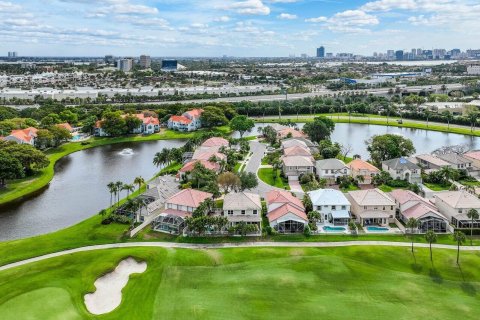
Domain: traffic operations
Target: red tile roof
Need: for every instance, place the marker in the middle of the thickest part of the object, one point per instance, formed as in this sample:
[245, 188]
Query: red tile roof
[280, 196]
[25, 135]
[65, 125]
[180, 119]
[215, 142]
[196, 113]
[359, 164]
[284, 210]
[207, 164]
[189, 197]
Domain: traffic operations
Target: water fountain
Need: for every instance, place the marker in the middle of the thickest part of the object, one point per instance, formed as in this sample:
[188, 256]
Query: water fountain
[126, 152]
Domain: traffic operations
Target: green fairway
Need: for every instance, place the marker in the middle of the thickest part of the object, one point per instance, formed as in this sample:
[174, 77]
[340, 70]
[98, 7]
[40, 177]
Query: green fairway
[253, 283]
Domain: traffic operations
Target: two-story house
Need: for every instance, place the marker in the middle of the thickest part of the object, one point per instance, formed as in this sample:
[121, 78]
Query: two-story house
[455, 205]
[243, 207]
[332, 205]
[23, 136]
[285, 212]
[364, 169]
[403, 169]
[331, 169]
[372, 207]
[188, 121]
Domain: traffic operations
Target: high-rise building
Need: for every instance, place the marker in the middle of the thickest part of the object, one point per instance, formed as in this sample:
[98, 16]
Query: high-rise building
[145, 61]
[125, 65]
[321, 52]
[399, 55]
[419, 52]
[169, 65]
[390, 54]
[109, 59]
[12, 54]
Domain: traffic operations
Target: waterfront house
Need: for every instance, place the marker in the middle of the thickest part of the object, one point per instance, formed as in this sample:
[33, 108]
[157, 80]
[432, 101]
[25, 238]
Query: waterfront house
[289, 133]
[429, 162]
[454, 205]
[302, 142]
[189, 166]
[149, 125]
[188, 121]
[457, 161]
[66, 126]
[332, 205]
[474, 157]
[358, 168]
[215, 142]
[410, 205]
[331, 169]
[296, 151]
[372, 207]
[285, 212]
[403, 169]
[23, 136]
[243, 207]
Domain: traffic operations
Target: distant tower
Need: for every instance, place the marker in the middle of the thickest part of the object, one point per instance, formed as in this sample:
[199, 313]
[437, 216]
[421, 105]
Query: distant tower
[321, 52]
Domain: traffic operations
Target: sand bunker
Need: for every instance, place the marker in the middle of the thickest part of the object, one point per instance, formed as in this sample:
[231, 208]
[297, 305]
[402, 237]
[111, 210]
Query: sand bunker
[108, 294]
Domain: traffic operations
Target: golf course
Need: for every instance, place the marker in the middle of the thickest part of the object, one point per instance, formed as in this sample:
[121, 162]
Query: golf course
[357, 282]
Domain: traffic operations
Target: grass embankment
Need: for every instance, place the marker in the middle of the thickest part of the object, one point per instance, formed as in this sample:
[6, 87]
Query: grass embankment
[18, 189]
[377, 120]
[271, 283]
[266, 175]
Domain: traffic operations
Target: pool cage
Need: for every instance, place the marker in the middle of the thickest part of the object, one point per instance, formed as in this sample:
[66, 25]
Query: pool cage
[290, 226]
[169, 224]
[127, 210]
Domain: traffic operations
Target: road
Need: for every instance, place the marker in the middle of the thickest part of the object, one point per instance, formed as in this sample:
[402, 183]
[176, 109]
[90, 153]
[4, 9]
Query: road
[233, 245]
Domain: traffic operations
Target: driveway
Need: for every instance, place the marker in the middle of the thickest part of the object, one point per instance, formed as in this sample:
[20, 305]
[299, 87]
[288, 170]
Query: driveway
[258, 151]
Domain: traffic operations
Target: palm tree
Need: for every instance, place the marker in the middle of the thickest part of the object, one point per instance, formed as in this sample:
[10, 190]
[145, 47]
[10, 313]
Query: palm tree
[448, 173]
[161, 158]
[431, 237]
[428, 113]
[139, 181]
[473, 215]
[118, 187]
[129, 188]
[112, 189]
[350, 109]
[460, 238]
[448, 116]
[412, 224]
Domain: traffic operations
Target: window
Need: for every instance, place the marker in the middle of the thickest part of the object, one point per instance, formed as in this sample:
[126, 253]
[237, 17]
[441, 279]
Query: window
[230, 211]
[319, 207]
[334, 207]
[344, 207]
[255, 211]
[391, 207]
[243, 211]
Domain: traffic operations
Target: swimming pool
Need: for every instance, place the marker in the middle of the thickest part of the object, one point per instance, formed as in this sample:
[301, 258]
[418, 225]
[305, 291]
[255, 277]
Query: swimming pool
[333, 229]
[77, 137]
[377, 229]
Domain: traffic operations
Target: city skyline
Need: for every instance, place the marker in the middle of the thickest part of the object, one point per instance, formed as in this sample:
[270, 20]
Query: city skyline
[235, 28]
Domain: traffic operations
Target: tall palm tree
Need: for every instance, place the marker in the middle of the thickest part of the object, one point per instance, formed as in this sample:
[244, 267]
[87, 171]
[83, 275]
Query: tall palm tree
[448, 173]
[111, 188]
[460, 238]
[161, 157]
[139, 181]
[129, 188]
[118, 186]
[412, 224]
[473, 215]
[431, 237]
[448, 116]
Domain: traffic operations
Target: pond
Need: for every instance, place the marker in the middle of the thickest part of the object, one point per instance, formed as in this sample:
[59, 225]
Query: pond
[79, 191]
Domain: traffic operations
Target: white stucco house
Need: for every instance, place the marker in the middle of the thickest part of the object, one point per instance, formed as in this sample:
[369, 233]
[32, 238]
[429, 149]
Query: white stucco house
[332, 205]
[331, 169]
[403, 169]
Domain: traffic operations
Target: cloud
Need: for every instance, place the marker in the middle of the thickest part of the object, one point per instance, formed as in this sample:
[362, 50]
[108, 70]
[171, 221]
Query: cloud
[287, 16]
[9, 7]
[253, 7]
[349, 21]
[222, 19]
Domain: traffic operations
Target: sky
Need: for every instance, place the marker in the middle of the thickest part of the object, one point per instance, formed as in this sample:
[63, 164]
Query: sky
[241, 28]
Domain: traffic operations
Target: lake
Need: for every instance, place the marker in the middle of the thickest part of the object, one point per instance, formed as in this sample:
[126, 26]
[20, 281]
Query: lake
[79, 190]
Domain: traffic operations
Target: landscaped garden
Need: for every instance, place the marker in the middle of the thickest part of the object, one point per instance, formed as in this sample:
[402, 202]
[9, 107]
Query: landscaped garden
[253, 283]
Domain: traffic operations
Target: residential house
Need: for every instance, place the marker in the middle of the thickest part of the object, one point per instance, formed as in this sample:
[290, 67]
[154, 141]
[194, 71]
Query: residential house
[457, 161]
[290, 133]
[372, 207]
[332, 205]
[243, 207]
[215, 142]
[302, 142]
[474, 157]
[358, 168]
[188, 121]
[149, 125]
[455, 205]
[331, 169]
[403, 169]
[294, 166]
[191, 164]
[429, 162]
[23, 136]
[66, 126]
[178, 207]
[410, 205]
[296, 151]
[285, 212]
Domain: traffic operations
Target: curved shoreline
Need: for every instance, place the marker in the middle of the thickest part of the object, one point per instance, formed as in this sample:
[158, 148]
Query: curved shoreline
[175, 245]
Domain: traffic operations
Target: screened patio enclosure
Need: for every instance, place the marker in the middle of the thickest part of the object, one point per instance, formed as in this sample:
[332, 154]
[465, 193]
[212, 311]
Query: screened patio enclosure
[169, 223]
[290, 226]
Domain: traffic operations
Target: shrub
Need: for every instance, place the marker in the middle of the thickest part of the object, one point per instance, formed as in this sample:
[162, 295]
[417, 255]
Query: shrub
[307, 232]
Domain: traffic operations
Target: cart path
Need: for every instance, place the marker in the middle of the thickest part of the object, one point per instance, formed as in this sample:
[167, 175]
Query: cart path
[234, 245]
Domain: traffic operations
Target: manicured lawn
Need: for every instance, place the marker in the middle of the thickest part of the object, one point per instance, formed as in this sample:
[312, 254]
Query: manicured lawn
[266, 175]
[470, 183]
[20, 188]
[436, 186]
[237, 167]
[253, 283]
[351, 187]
